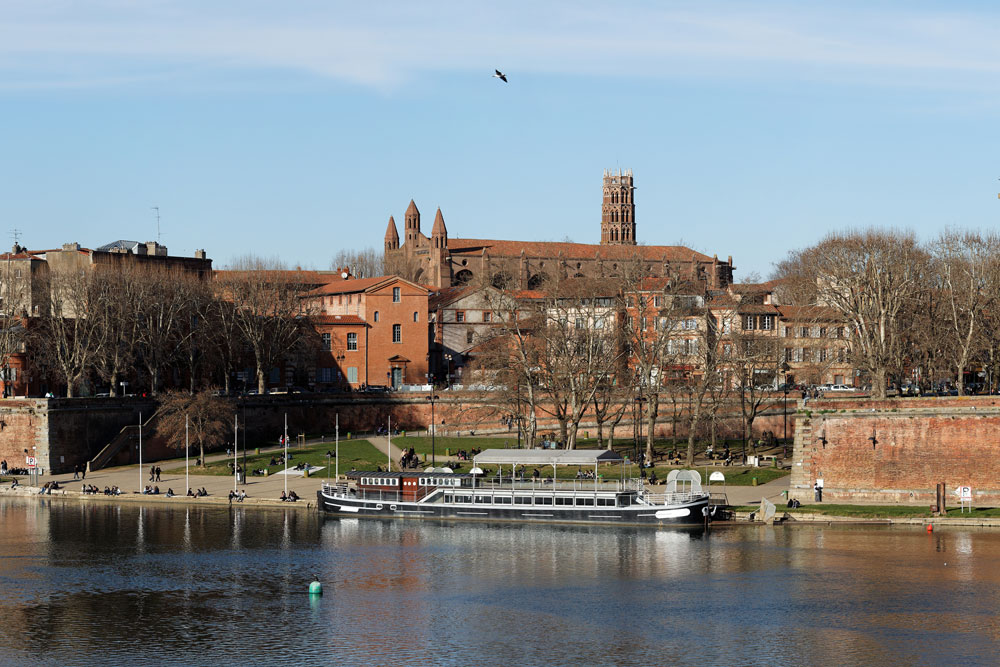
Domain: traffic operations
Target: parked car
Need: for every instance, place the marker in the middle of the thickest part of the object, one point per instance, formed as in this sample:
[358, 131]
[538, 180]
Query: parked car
[377, 389]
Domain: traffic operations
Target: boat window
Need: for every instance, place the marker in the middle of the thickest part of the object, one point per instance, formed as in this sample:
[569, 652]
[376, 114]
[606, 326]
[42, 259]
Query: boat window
[563, 501]
[522, 500]
[543, 500]
[608, 502]
[502, 500]
[463, 499]
[584, 501]
[483, 500]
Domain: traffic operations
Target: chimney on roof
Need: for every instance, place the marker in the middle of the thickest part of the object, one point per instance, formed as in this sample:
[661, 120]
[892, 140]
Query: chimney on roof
[155, 249]
[70, 247]
[199, 254]
[345, 272]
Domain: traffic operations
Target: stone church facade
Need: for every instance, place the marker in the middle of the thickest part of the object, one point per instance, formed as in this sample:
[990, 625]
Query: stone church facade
[438, 261]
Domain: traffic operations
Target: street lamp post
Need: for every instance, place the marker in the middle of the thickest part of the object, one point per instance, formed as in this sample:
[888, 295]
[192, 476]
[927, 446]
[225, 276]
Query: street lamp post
[447, 358]
[433, 398]
[785, 415]
[124, 384]
[517, 417]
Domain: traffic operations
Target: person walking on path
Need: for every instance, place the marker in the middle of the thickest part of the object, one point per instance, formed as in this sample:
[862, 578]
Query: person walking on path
[157, 473]
[76, 472]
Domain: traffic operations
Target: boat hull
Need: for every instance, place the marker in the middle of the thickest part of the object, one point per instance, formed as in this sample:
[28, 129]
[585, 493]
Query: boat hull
[680, 514]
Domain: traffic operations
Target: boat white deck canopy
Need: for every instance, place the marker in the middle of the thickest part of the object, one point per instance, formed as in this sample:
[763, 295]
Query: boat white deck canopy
[547, 457]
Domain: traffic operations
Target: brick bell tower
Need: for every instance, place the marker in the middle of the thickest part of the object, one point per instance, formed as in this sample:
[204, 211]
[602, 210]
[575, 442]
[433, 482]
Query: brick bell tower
[618, 209]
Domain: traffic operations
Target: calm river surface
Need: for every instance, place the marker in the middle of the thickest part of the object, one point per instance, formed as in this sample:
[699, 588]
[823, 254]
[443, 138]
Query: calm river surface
[99, 584]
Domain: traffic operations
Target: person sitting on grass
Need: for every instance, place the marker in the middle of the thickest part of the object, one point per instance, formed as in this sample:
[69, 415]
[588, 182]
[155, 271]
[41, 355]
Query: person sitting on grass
[292, 496]
[170, 492]
[190, 493]
[283, 497]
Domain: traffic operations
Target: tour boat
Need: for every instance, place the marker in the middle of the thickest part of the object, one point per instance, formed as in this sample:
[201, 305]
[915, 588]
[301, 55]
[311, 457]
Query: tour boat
[516, 492]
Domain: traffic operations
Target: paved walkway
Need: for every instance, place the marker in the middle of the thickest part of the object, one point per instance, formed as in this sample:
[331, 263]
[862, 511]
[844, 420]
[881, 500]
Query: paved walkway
[751, 495]
[130, 480]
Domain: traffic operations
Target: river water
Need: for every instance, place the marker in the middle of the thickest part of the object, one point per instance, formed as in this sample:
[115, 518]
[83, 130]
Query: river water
[96, 583]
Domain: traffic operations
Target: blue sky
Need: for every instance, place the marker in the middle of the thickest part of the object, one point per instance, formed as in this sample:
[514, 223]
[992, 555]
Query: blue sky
[295, 129]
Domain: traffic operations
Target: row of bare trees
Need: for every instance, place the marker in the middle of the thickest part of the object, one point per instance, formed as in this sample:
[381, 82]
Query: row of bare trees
[915, 311]
[142, 327]
[592, 348]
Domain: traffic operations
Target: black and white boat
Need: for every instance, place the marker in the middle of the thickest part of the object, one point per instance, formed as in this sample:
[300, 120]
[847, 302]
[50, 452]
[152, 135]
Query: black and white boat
[517, 492]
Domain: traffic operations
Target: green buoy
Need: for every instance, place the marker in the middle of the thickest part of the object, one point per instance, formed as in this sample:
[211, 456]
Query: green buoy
[315, 588]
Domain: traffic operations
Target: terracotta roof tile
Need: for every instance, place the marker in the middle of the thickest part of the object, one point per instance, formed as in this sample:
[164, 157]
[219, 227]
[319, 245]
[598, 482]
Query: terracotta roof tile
[336, 319]
[341, 286]
[653, 253]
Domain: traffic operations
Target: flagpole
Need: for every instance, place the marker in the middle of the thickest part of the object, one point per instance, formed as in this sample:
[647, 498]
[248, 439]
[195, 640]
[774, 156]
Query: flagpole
[388, 447]
[236, 449]
[336, 450]
[140, 452]
[187, 458]
[286, 453]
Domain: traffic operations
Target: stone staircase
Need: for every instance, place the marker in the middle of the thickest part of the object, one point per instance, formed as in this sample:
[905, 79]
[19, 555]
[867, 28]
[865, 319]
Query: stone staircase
[126, 438]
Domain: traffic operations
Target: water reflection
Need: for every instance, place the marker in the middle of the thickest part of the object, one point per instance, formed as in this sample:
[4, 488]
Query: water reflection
[104, 583]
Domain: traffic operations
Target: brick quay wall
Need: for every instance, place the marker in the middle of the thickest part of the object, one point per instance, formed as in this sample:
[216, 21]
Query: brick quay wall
[897, 450]
[69, 432]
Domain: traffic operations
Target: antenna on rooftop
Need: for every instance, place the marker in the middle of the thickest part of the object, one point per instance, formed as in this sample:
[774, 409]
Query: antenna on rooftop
[157, 209]
[16, 235]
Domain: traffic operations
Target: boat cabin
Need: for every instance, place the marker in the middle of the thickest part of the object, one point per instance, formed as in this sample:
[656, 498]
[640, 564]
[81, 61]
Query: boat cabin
[409, 485]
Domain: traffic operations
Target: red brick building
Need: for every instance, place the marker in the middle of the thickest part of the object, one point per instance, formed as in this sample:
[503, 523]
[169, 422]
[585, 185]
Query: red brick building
[440, 261]
[373, 331]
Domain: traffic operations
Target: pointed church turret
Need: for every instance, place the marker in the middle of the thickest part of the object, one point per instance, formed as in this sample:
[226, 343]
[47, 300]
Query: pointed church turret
[411, 222]
[439, 233]
[391, 237]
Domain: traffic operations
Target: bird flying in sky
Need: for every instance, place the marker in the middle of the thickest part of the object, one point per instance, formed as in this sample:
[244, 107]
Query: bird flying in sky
[500, 75]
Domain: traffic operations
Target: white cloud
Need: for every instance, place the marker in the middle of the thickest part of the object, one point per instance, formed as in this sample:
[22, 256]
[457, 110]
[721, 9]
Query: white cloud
[380, 44]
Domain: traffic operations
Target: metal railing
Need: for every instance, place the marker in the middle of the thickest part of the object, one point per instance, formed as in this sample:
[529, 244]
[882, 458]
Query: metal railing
[670, 498]
[576, 485]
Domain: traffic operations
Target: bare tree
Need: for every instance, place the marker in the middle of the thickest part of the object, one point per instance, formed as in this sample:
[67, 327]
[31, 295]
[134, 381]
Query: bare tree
[658, 319]
[209, 420]
[267, 310]
[15, 299]
[404, 266]
[511, 360]
[165, 317]
[117, 310]
[366, 263]
[869, 278]
[966, 272]
[580, 349]
[749, 360]
[67, 339]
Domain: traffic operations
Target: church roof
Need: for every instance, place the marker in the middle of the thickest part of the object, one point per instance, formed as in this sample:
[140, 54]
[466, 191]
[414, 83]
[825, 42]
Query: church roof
[412, 209]
[439, 228]
[390, 231]
[498, 248]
